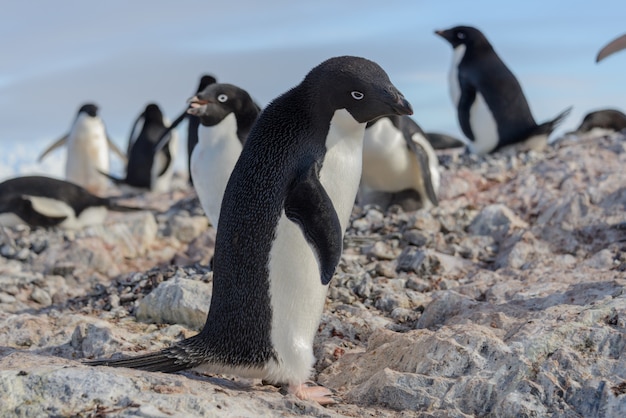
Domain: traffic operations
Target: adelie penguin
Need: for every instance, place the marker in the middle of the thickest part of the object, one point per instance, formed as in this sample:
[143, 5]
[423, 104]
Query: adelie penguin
[148, 167]
[226, 114]
[612, 47]
[47, 202]
[601, 122]
[491, 107]
[399, 165]
[279, 238]
[87, 150]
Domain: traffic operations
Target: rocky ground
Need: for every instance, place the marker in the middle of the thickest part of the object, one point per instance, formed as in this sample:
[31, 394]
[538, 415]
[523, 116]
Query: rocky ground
[506, 300]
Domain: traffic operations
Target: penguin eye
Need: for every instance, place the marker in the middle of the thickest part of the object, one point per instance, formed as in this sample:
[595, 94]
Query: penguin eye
[222, 98]
[357, 95]
[460, 35]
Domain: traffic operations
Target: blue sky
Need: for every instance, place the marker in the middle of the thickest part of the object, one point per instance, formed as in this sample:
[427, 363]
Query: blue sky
[125, 54]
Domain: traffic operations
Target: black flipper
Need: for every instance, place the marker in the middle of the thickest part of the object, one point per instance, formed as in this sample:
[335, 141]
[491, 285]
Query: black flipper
[468, 95]
[424, 164]
[165, 136]
[308, 205]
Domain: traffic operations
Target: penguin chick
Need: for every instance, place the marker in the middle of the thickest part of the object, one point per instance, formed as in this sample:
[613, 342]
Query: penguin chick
[286, 206]
[491, 107]
[47, 202]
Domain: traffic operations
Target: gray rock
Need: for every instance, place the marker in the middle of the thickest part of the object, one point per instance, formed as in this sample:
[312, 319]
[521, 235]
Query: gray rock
[177, 301]
[496, 221]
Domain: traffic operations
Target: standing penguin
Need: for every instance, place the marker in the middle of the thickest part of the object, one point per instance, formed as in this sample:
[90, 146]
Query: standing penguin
[612, 47]
[87, 150]
[149, 167]
[397, 157]
[48, 202]
[279, 239]
[226, 113]
[491, 106]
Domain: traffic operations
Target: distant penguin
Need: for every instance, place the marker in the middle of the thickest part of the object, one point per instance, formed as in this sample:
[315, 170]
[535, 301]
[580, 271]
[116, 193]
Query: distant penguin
[441, 141]
[87, 150]
[279, 239]
[149, 168]
[397, 157]
[600, 123]
[48, 202]
[612, 47]
[226, 113]
[491, 107]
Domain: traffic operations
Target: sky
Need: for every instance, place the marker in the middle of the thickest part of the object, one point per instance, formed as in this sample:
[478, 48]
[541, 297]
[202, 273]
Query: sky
[122, 55]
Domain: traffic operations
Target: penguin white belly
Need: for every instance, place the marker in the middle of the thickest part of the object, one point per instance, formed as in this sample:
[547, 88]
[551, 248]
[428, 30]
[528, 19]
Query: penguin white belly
[56, 208]
[483, 126]
[387, 162]
[453, 75]
[10, 220]
[163, 182]
[296, 289]
[87, 152]
[212, 162]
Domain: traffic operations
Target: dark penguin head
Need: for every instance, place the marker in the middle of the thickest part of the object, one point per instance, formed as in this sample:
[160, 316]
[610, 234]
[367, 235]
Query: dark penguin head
[356, 84]
[152, 114]
[90, 109]
[217, 101]
[611, 48]
[205, 80]
[471, 37]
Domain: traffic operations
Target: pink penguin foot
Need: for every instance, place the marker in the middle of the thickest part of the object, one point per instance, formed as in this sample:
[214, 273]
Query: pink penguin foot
[318, 394]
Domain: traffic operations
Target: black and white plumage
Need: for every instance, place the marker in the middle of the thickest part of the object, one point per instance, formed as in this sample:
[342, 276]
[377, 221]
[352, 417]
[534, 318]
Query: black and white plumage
[491, 107]
[612, 47]
[47, 202]
[601, 122]
[226, 114]
[88, 148]
[149, 166]
[279, 238]
[397, 157]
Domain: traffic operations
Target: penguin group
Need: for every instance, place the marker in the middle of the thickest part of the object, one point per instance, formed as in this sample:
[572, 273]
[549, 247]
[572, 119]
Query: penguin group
[279, 184]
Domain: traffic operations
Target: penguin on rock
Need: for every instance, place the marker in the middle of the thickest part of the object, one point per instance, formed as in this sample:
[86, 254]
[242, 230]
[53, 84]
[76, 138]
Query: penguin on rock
[491, 107]
[287, 204]
[88, 146]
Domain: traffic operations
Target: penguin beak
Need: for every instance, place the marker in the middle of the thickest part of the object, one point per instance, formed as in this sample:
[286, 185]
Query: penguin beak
[196, 105]
[401, 105]
[443, 34]
[611, 48]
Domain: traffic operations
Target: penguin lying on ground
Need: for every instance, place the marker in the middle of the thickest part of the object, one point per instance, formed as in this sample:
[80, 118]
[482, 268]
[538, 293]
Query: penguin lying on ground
[441, 141]
[600, 123]
[491, 107]
[149, 168]
[612, 47]
[87, 150]
[399, 165]
[279, 239]
[48, 202]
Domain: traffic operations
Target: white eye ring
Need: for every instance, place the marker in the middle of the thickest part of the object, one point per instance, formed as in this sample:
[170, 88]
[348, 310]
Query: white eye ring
[357, 95]
[460, 35]
[222, 98]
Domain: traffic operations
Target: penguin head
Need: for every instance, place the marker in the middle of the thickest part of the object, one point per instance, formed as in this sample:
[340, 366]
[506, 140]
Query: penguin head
[152, 113]
[463, 35]
[205, 80]
[358, 85]
[89, 109]
[216, 101]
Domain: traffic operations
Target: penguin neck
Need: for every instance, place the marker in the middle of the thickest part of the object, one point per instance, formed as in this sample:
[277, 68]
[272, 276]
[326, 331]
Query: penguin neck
[245, 119]
[224, 131]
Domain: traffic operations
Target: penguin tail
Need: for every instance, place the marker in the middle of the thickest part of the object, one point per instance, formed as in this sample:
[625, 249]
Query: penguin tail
[169, 360]
[551, 125]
